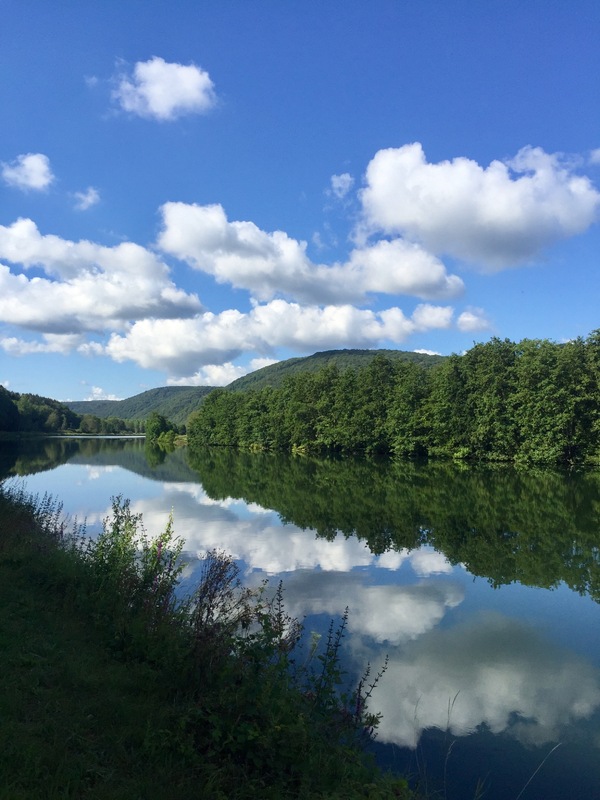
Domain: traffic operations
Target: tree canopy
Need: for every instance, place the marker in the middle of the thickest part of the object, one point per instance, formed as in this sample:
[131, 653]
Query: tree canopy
[529, 402]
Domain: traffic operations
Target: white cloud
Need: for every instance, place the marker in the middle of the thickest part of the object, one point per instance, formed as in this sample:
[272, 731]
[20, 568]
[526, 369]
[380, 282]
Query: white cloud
[399, 267]
[427, 352]
[473, 319]
[165, 91]
[341, 185]
[494, 217]
[51, 343]
[221, 374]
[87, 199]
[28, 171]
[427, 317]
[271, 264]
[98, 393]
[595, 156]
[238, 253]
[90, 287]
[176, 345]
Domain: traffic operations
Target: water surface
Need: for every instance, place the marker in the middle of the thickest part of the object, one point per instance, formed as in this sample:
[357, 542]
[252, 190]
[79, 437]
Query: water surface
[481, 585]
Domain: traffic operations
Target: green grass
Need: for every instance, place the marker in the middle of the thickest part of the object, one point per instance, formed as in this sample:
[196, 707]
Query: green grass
[112, 689]
[75, 719]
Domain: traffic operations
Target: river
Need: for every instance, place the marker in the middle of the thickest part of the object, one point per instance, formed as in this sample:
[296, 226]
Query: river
[480, 584]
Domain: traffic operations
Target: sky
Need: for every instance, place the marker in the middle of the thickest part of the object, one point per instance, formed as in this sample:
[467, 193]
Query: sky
[191, 191]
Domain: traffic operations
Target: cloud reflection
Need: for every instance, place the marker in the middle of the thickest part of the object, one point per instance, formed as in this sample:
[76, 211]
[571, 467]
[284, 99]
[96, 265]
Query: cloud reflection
[256, 537]
[492, 670]
[388, 613]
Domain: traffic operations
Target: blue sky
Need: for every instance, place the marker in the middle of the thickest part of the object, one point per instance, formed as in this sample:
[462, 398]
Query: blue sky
[189, 191]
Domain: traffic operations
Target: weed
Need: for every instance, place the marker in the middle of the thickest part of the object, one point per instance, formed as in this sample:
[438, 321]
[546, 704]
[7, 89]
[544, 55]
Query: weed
[161, 696]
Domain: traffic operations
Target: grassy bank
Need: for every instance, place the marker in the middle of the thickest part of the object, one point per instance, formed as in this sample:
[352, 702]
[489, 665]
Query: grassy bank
[112, 688]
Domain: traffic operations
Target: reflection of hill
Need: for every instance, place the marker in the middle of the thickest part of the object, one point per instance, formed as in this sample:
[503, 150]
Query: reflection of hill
[538, 527]
[133, 456]
[38, 455]
[28, 456]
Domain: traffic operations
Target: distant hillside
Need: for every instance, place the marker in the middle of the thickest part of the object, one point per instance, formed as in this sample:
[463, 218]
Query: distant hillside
[173, 402]
[274, 374]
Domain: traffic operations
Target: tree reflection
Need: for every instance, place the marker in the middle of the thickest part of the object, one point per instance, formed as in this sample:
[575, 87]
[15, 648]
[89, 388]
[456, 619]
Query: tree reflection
[535, 526]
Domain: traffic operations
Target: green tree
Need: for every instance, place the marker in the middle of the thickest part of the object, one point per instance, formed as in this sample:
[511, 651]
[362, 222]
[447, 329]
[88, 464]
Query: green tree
[90, 424]
[406, 422]
[490, 383]
[155, 425]
[446, 410]
[9, 413]
[553, 402]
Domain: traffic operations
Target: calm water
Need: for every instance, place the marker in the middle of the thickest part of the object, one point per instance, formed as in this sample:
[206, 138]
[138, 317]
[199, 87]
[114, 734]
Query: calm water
[481, 585]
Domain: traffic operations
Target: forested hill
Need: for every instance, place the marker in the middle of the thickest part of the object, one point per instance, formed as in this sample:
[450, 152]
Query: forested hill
[173, 402]
[274, 374]
[176, 403]
[533, 401]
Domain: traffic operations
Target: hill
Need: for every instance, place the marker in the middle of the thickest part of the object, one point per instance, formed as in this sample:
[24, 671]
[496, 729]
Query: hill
[274, 374]
[176, 403]
[173, 402]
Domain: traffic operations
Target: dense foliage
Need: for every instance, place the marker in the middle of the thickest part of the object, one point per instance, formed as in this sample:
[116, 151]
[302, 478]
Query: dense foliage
[530, 402]
[31, 413]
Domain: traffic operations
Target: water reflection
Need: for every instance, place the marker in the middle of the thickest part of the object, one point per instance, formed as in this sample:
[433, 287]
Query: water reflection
[509, 671]
[538, 527]
[490, 670]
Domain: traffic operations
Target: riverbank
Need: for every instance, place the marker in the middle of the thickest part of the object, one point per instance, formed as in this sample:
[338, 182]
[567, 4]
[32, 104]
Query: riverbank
[111, 689]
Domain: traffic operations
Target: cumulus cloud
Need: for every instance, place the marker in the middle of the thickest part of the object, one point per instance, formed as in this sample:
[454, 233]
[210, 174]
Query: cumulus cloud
[51, 343]
[595, 156]
[87, 199]
[270, 264]
[175, 345]
[473, 319]
[221, 374]
[399, 267]
[89, 286]
[494, 217]
[98, 393]
[427, 352]
[165, 91]
[28, 171]
[238, 253]
[341, 185]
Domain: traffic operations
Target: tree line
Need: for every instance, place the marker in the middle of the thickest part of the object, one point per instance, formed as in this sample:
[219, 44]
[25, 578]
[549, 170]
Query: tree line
[534, 401]
[32, 413]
